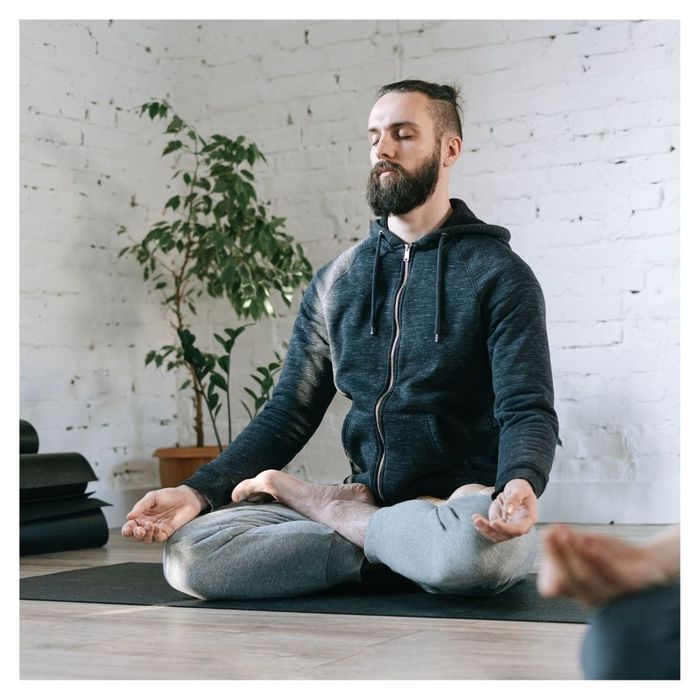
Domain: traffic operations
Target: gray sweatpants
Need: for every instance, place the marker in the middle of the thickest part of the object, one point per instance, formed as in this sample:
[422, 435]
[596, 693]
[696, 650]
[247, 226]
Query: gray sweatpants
[269, 550]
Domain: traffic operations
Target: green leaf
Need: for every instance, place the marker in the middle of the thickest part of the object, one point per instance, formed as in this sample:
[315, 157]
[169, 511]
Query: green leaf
[217, 380]
[150, 357]
[172, 146]
[153, 109]
[224, 363]
[175, 125]
[233, 333]
[173, 202]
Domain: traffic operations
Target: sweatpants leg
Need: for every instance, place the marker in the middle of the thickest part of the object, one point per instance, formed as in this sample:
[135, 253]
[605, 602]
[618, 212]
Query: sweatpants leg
[257, 551]
[635, 637]
[439, 548]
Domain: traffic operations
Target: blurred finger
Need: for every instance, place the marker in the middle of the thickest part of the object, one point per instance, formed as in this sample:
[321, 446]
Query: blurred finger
[581, 580]
[610, 566]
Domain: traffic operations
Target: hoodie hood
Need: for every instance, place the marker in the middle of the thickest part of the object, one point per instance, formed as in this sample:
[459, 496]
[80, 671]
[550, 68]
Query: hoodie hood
[461, 222]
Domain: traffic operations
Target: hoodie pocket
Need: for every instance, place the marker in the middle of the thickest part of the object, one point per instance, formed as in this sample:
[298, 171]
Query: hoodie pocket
[359, 439]
[427, 455]
[471, 444]
[412, 450]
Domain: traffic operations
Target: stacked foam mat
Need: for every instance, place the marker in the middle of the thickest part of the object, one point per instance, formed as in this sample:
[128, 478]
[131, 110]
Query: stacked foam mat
[55, 511]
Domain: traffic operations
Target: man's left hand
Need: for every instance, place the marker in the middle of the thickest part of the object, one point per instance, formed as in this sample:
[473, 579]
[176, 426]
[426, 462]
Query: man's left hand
[512, 513]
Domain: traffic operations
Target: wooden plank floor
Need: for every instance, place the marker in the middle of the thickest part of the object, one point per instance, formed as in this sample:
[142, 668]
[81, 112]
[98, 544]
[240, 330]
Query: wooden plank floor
[96, 641]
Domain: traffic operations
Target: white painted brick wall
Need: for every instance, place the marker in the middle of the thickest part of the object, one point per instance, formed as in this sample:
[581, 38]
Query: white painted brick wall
[571, 140]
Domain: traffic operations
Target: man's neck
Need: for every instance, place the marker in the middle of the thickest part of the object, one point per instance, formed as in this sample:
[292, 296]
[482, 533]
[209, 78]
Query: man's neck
[421, 220]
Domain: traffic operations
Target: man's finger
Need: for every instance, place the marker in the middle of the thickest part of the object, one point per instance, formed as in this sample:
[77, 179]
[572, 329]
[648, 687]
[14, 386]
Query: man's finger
[140, 507]
[512, 529]
[484, 528]
[161, 534]
[508, 509]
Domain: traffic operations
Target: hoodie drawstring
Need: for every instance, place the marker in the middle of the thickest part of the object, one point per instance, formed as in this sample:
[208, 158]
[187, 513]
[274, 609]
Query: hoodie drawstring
[375, 275]
[438, 289]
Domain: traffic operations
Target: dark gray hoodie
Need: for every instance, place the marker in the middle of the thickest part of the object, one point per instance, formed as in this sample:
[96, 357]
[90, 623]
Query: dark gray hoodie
[441, 346]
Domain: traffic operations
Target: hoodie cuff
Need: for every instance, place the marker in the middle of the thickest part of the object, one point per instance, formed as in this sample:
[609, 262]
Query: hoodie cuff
[210, 492]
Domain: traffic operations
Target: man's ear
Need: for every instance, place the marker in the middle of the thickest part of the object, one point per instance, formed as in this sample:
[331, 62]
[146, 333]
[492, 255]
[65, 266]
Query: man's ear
[453, 149]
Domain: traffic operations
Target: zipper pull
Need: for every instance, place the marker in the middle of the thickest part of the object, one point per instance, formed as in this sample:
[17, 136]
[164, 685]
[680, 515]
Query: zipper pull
[407, 251]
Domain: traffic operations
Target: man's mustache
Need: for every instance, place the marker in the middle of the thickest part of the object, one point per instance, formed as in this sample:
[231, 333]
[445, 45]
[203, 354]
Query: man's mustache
[386, 165]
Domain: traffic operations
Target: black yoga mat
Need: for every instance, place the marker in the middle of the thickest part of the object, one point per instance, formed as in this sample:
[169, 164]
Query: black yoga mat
[28, 438]
[75, 531]
[143, 584]
[53, 475]
[40, 510]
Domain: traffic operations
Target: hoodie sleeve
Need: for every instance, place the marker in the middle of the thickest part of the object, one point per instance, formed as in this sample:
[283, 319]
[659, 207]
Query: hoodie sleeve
[514, 319]
[298, 403]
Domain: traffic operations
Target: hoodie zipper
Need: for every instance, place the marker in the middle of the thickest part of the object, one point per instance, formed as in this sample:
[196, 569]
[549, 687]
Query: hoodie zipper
[392, 363]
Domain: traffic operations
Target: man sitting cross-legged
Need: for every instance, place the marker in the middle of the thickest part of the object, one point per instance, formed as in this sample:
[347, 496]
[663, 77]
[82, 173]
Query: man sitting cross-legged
[316, 536]
[435, 330]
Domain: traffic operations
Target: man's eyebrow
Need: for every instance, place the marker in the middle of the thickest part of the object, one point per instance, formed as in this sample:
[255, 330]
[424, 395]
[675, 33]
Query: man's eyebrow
[395, 125]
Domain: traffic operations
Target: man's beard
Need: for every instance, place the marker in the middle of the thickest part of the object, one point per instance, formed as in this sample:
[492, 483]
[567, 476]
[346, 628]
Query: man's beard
[403, 191]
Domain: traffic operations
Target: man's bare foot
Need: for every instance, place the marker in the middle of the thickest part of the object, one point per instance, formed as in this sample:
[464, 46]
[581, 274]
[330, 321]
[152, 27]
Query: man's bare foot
[284, 487]
[469, 490]
[344, 507]
[466, 490]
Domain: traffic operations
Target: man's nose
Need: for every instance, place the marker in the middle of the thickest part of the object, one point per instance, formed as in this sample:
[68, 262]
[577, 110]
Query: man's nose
[384, 149]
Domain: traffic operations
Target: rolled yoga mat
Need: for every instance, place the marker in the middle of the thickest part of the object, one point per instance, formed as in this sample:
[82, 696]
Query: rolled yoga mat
[67, 532]
[144, 584]
[28, 438]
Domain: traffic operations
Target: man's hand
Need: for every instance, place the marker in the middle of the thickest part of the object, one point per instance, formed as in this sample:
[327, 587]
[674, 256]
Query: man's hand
[159, 513]
[511, 514]
[596, 568]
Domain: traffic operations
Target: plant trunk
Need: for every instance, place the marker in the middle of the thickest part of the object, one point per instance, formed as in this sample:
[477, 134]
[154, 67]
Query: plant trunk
[198, 420]
[198, 417]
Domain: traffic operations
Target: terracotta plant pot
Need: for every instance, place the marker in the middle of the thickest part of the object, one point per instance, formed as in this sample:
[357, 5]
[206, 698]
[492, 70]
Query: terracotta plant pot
[178, 463]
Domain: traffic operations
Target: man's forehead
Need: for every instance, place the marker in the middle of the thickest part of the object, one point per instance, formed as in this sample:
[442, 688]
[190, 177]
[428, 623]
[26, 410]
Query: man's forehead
[400, 108]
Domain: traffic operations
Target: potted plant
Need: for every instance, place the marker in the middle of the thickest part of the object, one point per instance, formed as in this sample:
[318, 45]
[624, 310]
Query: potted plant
[216, 240]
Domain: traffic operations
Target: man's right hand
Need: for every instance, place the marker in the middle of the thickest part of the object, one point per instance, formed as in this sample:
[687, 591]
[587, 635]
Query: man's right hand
[159, 513]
